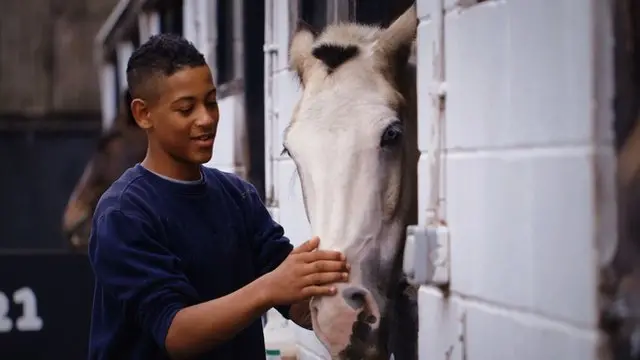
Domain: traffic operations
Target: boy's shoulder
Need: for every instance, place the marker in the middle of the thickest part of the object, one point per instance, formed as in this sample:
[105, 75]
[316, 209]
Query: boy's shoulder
[229, 181]
[128, 193]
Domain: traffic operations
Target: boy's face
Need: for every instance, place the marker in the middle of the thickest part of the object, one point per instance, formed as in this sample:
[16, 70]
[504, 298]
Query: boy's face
[183, 119]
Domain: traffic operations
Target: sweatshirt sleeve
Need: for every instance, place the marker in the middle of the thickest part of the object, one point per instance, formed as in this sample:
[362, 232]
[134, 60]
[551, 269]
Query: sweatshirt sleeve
[270, 245]
[131, 265]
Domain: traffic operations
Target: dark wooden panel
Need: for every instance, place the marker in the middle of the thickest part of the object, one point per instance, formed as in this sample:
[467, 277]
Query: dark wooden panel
[70, 122]
[62, 287]
[39, 171]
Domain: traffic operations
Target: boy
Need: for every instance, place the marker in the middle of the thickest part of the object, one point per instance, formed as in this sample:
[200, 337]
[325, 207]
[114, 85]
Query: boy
[187, 258]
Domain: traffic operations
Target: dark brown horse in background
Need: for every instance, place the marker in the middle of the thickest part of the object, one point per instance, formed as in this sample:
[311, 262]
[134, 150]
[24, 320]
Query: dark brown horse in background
[119, 148]
[620, 279]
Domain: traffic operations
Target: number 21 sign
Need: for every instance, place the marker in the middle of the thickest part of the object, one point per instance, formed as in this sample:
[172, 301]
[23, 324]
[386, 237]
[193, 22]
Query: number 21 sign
[28, 319]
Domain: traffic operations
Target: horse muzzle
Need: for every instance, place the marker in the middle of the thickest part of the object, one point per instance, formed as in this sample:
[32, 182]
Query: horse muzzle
[347, 321]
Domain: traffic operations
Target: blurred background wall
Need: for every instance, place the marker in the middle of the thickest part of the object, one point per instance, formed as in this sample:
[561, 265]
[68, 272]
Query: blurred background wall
[49, 112]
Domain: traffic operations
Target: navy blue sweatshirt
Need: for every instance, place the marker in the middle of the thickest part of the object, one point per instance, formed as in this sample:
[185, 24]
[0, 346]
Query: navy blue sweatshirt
[158, 245]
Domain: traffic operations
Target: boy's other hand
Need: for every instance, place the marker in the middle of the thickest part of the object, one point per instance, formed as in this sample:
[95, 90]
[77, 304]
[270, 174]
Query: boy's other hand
[305, 273]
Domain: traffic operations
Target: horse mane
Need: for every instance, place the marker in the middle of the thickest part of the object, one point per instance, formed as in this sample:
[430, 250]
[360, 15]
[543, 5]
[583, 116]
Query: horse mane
[126, 109]
[124, 120]
[107, 137]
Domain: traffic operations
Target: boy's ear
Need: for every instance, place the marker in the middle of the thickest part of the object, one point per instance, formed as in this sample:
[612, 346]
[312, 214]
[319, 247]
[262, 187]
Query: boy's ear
[140, 112]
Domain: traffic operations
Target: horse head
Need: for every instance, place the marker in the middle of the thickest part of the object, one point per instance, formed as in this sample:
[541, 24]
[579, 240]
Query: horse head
[352, 137]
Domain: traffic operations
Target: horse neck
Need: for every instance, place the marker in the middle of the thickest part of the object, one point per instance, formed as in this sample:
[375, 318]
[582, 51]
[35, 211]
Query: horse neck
[135, 141]
[408, 88]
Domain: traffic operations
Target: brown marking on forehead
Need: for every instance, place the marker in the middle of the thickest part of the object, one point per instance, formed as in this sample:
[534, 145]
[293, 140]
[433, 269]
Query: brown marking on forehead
[334, 55]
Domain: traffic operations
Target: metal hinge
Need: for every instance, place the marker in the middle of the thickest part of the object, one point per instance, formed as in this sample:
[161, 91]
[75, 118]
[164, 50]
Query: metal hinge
[438, 89]
[270, 48]
[426, 255]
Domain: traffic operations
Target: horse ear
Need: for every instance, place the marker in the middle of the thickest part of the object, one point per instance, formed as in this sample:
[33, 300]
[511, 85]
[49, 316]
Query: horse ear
[301, 57]
[396, 41]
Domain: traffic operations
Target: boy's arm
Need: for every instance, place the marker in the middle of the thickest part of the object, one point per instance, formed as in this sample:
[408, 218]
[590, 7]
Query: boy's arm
[271, 248]
[300, 313]
[197, 328]
[132, 266]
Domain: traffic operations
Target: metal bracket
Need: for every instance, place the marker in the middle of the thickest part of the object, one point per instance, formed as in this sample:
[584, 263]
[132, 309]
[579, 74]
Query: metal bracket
[270, 48]
[426, 255]
[438, 89]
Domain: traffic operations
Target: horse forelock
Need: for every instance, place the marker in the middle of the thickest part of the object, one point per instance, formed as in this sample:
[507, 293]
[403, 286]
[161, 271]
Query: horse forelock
[343, 55]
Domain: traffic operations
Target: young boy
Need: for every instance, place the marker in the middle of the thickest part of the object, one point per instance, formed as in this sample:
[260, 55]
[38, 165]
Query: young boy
[187, 258]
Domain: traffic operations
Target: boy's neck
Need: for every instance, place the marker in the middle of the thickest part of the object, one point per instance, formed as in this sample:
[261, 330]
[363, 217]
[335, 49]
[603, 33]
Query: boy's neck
[172, 168]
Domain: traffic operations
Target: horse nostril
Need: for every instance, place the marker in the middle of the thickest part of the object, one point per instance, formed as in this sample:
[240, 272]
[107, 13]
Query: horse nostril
[355, 297]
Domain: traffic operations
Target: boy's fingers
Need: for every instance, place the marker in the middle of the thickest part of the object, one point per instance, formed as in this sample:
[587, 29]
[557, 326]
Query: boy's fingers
[307, 246]
[326, 266]
[326, 255]
[314, 290]
[326, 278]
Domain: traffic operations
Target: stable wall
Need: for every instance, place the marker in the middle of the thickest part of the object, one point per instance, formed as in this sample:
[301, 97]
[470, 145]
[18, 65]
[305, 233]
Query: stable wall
[527, 177]
[227, 147]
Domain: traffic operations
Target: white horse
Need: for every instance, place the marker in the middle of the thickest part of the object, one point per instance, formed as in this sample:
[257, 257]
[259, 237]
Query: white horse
[353, 139]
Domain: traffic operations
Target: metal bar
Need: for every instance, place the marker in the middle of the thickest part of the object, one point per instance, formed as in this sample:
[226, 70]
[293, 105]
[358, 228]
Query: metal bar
[438, 96]
[108, 26]
[270, 56]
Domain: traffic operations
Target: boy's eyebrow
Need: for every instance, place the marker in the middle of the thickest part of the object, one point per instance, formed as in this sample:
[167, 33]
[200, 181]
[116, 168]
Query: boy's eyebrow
[193, 98]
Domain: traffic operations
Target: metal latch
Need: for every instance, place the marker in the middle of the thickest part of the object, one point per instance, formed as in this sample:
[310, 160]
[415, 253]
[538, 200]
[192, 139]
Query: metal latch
[426, 255]
[270, 48]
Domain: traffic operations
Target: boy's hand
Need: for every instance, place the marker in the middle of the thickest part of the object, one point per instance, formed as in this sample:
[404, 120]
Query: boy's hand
[305, 273]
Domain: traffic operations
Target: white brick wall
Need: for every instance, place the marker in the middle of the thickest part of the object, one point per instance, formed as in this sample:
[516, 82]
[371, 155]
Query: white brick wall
[519, 181]
[226, 137]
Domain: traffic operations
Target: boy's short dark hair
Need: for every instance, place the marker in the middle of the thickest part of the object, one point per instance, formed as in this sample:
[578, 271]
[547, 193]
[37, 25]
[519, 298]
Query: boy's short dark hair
[161, 55]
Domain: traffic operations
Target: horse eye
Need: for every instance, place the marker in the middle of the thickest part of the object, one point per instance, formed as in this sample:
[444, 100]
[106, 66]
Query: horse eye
[392, 135]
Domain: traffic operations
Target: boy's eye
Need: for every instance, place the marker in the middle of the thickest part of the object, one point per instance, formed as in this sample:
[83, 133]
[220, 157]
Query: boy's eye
[185, 111]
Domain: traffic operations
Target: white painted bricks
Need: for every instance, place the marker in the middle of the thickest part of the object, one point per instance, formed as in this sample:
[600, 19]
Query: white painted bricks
[224, 146]
[519, 183]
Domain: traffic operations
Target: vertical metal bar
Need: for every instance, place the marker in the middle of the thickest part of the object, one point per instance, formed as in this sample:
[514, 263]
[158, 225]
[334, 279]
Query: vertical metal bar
[188, 22]
[331, 12]
[208, 31]
[124, 50]
[238, 37]
[213, 40]
[143, 26]
[269, 55]
[108, 92]
[438, 96]
[342, 8]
